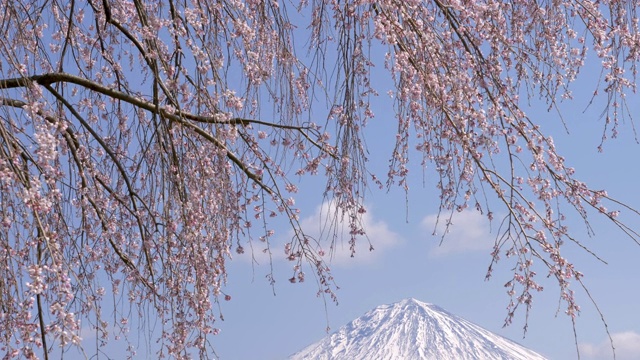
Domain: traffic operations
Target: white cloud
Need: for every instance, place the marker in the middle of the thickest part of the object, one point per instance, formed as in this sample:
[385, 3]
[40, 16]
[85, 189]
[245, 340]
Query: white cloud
[468, 231]
[320, 226]
[627, 345]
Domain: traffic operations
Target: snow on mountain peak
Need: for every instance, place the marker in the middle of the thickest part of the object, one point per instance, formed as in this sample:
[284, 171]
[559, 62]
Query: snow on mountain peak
[411, 329]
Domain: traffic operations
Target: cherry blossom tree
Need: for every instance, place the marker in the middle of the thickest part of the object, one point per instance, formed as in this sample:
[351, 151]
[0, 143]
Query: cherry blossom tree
[145, 142]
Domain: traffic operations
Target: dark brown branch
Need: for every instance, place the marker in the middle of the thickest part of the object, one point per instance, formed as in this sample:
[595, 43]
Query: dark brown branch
[47, 79]
[52, 78]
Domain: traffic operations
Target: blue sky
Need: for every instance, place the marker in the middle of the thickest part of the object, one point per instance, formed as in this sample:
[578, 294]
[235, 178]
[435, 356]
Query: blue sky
[408, 261]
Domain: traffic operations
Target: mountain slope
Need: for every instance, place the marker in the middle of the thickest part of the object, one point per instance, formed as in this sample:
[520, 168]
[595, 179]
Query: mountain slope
[409, 330]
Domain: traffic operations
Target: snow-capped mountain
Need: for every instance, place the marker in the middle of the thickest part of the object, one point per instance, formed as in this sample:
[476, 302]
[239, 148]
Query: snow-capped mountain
[409, 330]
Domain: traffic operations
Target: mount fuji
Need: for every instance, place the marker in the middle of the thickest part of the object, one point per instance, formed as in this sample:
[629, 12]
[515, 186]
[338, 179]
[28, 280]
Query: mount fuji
[413, 330]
